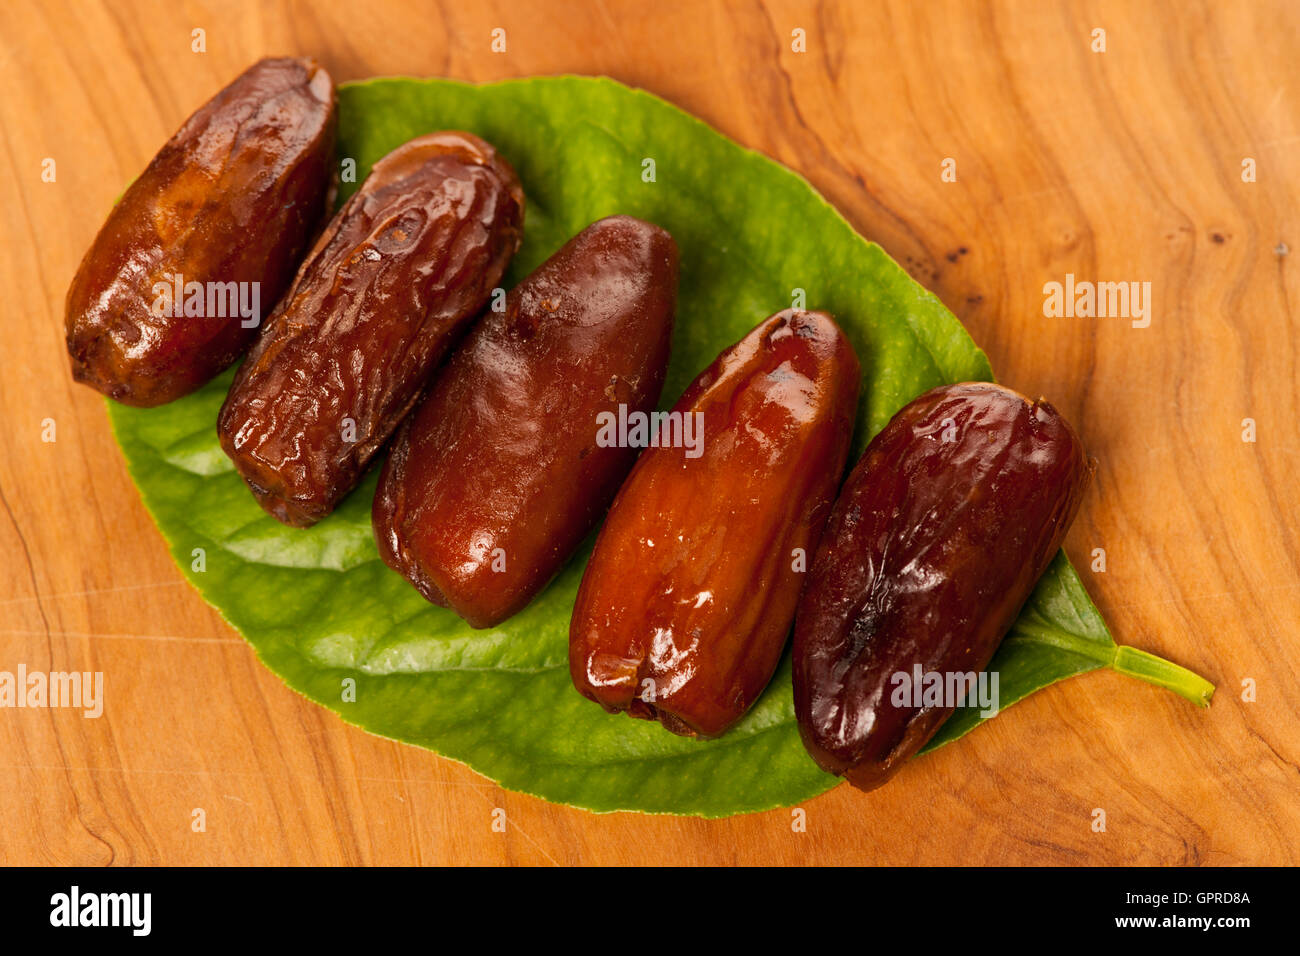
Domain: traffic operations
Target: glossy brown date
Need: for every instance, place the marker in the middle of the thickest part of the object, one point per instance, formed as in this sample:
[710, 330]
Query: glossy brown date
[407, 262]
[232, 200]
[500, 473]
[936, 541]
[687, 601]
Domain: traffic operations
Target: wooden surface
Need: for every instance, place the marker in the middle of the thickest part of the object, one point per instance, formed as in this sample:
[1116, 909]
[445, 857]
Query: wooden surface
[1123, 165]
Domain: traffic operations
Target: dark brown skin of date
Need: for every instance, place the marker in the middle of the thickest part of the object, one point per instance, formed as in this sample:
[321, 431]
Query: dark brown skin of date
[687, 601]
[234, 197]
[391, 284]
[498, 476]
[937, 539]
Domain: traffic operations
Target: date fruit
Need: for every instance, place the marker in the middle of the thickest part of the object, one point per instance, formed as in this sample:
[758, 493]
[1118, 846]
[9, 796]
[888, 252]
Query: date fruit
[687, 601]
[500, 473]
[936, 541]
[398, 273]
[207, 239]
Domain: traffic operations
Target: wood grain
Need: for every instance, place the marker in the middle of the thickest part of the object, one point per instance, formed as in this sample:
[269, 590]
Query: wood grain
[1122, 165]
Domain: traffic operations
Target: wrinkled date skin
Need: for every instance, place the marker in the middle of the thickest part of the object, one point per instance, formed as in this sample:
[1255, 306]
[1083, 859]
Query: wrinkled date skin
[936, 541]
[407, 262]
[236, 196]
[498, 475]
[687, 601]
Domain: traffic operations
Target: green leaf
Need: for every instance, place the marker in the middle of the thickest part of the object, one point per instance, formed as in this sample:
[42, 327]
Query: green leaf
[320, 607]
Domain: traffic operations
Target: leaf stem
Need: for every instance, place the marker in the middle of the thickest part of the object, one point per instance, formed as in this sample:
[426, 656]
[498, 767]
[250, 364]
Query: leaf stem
[1125, 660]
[1162, 673]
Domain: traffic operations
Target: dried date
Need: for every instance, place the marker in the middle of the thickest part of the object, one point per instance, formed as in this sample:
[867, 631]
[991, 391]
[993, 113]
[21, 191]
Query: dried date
[391, 284]
[687, 601]
[205, 241]
[937, 539]
[500, 473]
